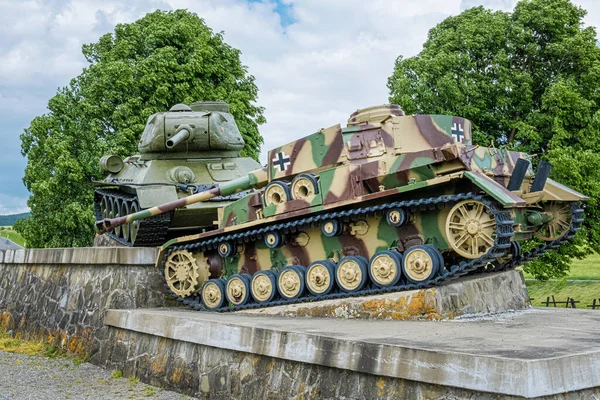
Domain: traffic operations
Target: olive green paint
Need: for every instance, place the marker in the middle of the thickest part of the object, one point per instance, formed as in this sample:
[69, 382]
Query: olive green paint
[431, 226]
[387, 233]
[493, 189]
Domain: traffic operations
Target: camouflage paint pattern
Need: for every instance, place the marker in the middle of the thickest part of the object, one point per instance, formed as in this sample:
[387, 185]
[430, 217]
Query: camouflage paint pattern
[380, 157]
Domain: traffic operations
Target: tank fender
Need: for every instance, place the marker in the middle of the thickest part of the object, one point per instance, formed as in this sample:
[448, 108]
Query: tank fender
[494, 189]
[555, 191]
[150, 196]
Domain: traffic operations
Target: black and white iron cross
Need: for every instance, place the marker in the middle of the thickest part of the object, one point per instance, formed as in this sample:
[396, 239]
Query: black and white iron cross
[458, 133]
[281, 161]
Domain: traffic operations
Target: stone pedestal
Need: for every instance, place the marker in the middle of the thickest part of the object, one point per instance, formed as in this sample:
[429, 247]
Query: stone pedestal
[531, 353]
[485, 293]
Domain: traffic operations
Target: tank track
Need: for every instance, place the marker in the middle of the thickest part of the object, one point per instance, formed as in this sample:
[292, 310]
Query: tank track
[504, 233]
[152, 231]
[576, 221]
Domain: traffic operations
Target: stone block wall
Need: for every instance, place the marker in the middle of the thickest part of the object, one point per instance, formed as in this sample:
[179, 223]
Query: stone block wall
[215, 373]
[61, 295]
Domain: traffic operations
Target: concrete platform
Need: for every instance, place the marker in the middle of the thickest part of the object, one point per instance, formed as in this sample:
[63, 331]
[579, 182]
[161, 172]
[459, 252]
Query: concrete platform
[529, 353]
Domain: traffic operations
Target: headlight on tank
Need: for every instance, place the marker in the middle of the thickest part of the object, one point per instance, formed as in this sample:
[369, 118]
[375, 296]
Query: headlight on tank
[112, 164]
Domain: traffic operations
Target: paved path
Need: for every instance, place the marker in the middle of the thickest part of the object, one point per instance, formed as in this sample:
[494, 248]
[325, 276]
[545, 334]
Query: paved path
[34, 377]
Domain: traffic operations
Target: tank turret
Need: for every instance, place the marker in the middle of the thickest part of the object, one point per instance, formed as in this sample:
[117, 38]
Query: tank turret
[390, 202]
[191, 130]
[182, 151]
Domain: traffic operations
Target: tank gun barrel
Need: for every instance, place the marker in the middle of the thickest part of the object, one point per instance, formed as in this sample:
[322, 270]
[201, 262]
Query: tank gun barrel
[254, 179]
[180, 137]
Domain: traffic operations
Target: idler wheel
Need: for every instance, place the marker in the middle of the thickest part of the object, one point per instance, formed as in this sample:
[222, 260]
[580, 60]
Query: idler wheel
[290, 282]
[238, 289]
[213, 294]
[559, 223]
[263, 286]
[470, 229]
[385, 268]
[351, 273]
[420, 263]
[181, 273]
[320, 276]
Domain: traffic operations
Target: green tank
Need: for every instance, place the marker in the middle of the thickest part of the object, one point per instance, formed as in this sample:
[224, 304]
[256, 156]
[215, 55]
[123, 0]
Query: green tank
[390, 202]
[184, 151]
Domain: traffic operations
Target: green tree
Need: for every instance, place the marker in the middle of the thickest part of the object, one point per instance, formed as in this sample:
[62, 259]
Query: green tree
[144, 67]
[529, 81]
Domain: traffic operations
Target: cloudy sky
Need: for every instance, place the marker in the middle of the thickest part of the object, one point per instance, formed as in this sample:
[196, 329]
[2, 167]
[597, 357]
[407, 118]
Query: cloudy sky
[315, 61]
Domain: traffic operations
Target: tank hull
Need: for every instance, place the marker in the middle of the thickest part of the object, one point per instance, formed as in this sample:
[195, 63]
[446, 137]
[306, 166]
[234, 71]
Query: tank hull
[388, 203]
[143, 184]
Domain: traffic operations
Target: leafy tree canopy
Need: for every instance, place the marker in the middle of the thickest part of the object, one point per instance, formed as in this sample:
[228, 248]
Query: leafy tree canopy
[527, 80]
[142, 68]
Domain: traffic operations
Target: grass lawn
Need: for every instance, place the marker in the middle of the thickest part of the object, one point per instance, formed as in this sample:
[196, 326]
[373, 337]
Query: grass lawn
[586, 269]
[585, 292]
[11, 234]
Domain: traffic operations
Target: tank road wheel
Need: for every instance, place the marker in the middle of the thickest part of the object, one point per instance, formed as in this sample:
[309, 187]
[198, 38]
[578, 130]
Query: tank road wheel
[119, 213]
[385, 268]
[114, 211]
[470, 229]
[290, 282]
[213, 294]
[135, 225]
[277, 192]
[263, 286]
[351, 273]
[320, 277]
[226, 249]
[273, 240]
[558, 225]
[304, 186]
[420, 263]
[104, 207]
[238, 289]
[181, 273]
[127, 226]
[332, 228]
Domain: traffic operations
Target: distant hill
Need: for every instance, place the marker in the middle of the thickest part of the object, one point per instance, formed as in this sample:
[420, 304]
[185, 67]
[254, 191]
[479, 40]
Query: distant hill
[9, 220]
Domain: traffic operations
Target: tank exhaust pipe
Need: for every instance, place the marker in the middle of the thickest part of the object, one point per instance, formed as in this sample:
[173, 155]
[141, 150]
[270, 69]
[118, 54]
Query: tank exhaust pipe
[180, 137]
[541, 176]
[516, 179]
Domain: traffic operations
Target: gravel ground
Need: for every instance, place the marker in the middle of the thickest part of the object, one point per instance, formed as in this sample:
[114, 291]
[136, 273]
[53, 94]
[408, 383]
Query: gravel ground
[34, 377]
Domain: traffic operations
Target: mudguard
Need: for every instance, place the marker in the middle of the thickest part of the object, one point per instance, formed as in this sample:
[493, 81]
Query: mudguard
[494, 189]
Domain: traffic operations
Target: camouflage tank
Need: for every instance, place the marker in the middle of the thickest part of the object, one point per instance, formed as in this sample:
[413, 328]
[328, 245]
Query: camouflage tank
[186, 150]
[389, 203]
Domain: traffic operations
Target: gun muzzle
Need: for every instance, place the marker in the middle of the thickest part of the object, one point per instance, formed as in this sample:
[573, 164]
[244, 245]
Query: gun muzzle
[179, 137]
[103, 226]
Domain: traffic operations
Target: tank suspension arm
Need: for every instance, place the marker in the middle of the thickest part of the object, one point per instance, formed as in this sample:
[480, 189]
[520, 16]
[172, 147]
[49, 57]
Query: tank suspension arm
[179, 137]
[254, 179]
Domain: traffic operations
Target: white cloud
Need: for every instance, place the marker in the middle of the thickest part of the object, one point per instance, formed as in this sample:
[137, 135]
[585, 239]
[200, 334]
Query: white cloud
[335, 57]
[12, 204]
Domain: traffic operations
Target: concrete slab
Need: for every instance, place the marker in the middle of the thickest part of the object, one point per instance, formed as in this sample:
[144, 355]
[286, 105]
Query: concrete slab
[82, 255]
[528, 353]
[483, 293]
